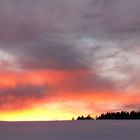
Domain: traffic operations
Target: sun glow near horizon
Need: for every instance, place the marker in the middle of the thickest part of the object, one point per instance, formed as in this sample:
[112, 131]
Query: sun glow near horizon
[35, 115]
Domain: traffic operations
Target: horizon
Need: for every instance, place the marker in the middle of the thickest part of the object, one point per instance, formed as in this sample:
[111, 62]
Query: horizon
[62, 58]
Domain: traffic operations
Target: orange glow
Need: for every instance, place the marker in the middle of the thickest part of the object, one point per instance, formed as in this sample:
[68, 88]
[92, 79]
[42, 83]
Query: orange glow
[63, 103]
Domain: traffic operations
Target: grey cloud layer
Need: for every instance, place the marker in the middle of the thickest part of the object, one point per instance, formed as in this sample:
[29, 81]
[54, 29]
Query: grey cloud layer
[55, 55]
[33, 20]
[51, 26]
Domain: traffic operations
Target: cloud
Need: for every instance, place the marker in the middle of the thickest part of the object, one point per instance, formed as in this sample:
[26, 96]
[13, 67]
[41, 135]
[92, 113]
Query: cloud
[131, 107]
[21, 96]
[82, 82]
[42, 34]
[117, 18]
[32, 20]
[51, 55]
[93, 36]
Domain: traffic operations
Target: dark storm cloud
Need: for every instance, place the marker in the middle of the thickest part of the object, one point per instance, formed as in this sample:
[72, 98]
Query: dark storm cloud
[54, 55]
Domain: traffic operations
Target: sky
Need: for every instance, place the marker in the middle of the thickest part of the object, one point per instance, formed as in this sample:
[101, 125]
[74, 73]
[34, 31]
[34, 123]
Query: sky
[64, 58]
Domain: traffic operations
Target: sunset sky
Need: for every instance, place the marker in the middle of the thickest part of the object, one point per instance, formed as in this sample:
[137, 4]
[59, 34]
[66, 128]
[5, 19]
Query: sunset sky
[64, 58]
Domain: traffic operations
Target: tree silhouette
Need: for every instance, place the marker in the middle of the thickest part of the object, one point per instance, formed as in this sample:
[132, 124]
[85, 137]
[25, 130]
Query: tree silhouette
[85, 118]
[123, 115]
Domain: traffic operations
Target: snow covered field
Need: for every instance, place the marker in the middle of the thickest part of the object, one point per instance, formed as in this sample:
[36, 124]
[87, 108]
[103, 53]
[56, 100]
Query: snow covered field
[70, 130]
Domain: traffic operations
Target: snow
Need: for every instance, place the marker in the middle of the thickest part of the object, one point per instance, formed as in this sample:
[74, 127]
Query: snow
[70, 130]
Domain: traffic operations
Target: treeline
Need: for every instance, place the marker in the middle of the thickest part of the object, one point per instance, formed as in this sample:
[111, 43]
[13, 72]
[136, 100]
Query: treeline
[123, 115]
[120, 116]
[85, 118]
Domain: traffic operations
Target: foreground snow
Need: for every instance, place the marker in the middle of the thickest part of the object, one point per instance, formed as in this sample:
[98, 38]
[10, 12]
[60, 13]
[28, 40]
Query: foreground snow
[70, 130]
